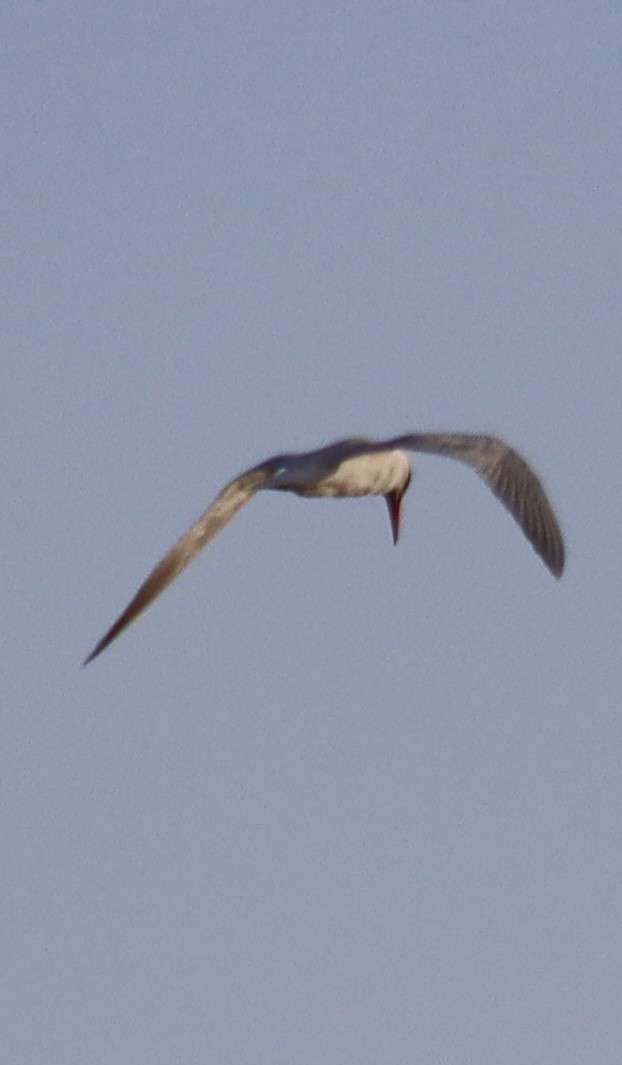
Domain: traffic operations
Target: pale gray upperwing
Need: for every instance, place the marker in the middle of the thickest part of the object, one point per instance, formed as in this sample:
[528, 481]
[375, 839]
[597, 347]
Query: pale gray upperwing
[226, 504]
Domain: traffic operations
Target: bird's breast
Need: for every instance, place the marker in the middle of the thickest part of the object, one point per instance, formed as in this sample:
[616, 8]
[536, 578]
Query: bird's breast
[373, 474]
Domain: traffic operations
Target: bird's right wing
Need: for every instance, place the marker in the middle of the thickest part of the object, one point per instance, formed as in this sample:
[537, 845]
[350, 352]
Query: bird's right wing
[226, 504]
[511, 479]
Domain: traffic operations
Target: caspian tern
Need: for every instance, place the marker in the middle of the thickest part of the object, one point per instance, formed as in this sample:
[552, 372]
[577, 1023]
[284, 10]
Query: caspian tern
[360, 467]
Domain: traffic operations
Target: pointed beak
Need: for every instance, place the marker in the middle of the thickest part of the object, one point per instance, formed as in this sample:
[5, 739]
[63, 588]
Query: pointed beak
[394, 506]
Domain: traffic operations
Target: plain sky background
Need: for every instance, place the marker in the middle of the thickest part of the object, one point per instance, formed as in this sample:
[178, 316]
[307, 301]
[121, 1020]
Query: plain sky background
[328, 802]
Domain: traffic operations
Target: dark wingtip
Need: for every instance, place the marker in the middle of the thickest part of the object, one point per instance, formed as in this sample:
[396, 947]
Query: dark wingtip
[554, 550]
[94, 653]
[557, 567]
[112, 633]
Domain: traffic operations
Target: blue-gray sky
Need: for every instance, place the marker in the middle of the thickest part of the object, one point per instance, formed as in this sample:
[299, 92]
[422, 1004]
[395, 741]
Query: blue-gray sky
[327, 801]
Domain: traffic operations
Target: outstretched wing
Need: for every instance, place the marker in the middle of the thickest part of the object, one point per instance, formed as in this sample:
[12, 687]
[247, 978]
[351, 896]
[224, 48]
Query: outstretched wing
[510, 478]
[226, 504]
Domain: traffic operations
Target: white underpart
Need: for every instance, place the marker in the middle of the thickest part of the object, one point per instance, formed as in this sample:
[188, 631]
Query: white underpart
[373, 474]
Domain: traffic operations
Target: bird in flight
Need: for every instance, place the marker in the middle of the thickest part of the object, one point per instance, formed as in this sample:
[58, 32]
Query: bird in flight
[360, 467]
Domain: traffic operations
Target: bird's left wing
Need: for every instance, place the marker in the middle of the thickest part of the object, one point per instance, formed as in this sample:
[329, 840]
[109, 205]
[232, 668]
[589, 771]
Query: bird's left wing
[226, 504]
